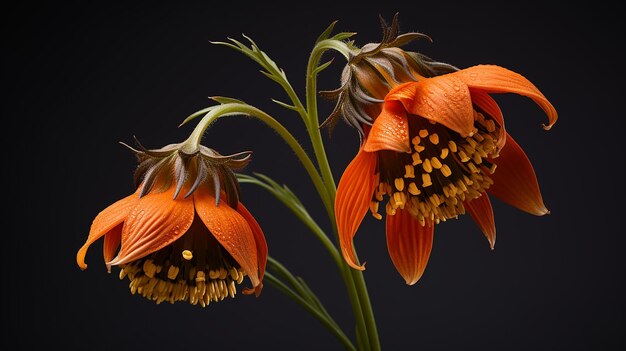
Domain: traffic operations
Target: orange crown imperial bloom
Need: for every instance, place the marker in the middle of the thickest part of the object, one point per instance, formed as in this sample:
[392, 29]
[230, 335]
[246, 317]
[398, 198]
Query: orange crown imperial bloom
[183, 235]
[436, 148]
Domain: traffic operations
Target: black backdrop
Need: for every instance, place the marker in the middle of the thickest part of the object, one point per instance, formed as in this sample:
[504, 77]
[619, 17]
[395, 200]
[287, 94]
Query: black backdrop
[79, 78]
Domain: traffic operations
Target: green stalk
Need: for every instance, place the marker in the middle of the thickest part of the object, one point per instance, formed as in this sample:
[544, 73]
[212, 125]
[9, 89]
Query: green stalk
[230, 109]
[362, 300]
[328, 323]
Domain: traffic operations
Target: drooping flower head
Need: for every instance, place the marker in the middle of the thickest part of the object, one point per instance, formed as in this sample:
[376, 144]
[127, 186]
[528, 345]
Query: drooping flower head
[434, 149]
[183, 235]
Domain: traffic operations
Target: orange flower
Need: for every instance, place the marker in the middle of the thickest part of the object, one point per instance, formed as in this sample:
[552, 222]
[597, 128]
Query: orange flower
[192, 248]
[433, 151]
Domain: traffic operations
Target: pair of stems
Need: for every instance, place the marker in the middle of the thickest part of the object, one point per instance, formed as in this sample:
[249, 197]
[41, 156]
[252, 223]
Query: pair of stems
[366, 331]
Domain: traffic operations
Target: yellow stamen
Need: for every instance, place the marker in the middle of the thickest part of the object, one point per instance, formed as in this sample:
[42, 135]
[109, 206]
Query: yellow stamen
[172, 272]
[434, 138]
[409, 171]
[446, 171]
[413, 190]
[463, 156]
[419, 148]
[426, 182]
[399, 183]
[187, 255]
[492, 170]
[435, 163]
[444, 153]
[389, 209]
[452, 146]
[423, 133]
[427, 166]
[416, 159]
[416, 140]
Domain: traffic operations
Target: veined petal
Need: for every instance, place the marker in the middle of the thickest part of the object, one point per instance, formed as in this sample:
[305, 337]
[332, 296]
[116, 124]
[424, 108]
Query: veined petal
[486, 103]
[409, 244]
[390, 130]
[156, 221]
[230, 229]
[352, 202]
[106, 221]
[261, 245]
[481, 211]
[112, 241]
[515, 182]
[496, 79]
[443, 99]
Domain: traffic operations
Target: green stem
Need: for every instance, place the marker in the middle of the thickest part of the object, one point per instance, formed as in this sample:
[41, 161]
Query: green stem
[303, 215]
[328, 323]
[302, 290]
[355, 277]
[357, 290]
[231, 109]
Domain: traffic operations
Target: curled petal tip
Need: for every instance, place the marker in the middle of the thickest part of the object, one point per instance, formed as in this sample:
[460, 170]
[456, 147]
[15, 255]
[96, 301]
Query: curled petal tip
[547, 126]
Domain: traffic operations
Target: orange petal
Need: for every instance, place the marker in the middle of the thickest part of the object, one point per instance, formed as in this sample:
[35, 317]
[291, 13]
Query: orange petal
[490, 106]
[444, 99]
[112, 241]
[231, 230]
[154, 223]
[390, 130]
[482, 213]
[496, 79]
[515, 181]
[259, 240]
[352, 202]
[106, 221]
[409, 244]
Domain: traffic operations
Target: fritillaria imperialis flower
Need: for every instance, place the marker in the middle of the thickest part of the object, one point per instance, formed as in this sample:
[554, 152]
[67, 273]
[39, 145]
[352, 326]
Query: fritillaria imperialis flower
[183, 235]
[434, 146]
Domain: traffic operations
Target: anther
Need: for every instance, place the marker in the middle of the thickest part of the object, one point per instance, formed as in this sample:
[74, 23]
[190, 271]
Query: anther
[187, 255]
[434, 138]
[172, 272]
[463, 156]
[452, 146]
[427, 166]
[444, 153]
[435, 163]
[416, 159]
[409, 171]
[399, 183]
[426, 180]
[423, 133]
[416, 140]
[492, 170]
[413, 190]
[446, 171]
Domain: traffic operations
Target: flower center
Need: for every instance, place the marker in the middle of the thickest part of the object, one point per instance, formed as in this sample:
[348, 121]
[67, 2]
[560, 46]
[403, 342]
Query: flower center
[444, 170]
[194, 268]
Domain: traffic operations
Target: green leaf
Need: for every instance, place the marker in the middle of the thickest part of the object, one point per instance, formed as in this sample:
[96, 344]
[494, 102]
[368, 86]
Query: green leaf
[287, 106]
[192, 116]
[226, 100]
[322, 67]
[343, 35]
[326, 32]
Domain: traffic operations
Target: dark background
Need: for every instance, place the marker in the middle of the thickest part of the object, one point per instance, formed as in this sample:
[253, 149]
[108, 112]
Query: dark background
[79, 78]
